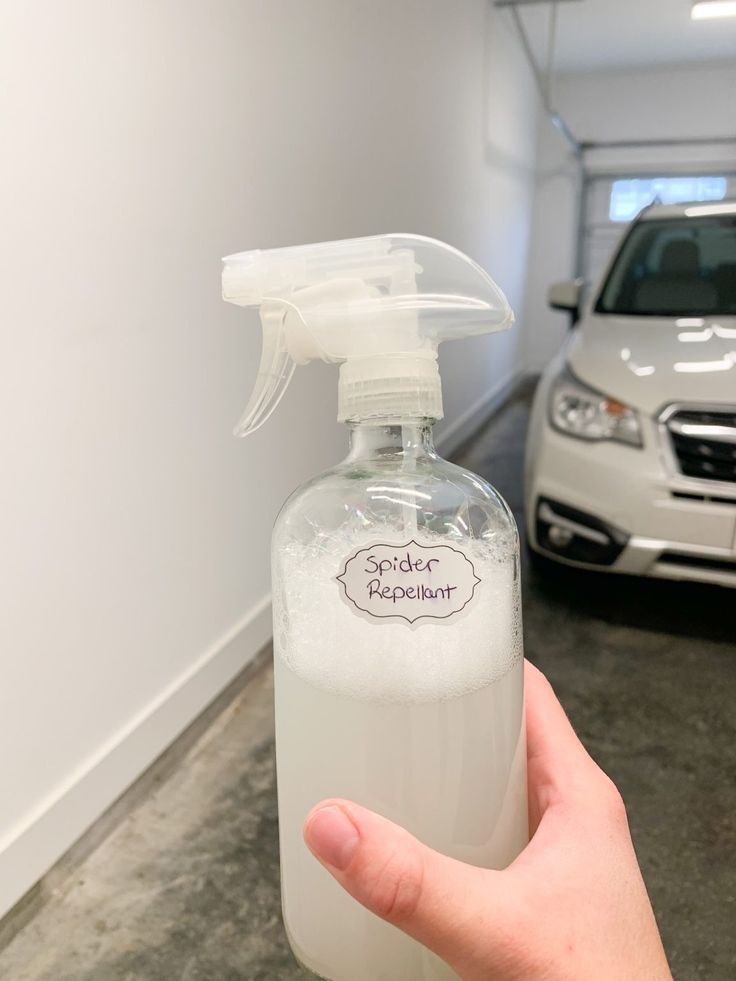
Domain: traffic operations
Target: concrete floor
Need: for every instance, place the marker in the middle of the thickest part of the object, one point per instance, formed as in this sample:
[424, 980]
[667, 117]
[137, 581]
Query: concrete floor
[186, 887]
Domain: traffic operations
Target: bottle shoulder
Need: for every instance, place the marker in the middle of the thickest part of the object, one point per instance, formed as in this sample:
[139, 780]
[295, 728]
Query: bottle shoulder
[431, 494]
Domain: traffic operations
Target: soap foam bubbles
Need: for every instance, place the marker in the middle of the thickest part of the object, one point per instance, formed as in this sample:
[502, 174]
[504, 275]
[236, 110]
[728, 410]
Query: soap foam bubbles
[323, 640]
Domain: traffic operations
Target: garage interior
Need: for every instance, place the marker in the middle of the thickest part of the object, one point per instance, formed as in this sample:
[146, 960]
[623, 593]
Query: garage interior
[139, 824]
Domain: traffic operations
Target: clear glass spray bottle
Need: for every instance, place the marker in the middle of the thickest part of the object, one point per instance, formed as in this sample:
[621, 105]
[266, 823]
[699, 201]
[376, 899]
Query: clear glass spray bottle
[397, 622]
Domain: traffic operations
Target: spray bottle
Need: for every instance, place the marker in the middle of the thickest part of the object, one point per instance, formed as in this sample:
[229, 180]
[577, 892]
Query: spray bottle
[396, 608]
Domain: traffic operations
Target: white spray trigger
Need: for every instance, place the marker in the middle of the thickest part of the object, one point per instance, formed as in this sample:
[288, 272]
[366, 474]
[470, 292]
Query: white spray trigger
[274, 371]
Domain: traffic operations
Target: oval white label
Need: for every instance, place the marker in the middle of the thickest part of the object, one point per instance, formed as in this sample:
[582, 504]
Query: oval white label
[409, 583]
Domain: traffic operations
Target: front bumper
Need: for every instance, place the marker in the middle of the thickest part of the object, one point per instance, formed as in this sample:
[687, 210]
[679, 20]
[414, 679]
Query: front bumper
[658, 522]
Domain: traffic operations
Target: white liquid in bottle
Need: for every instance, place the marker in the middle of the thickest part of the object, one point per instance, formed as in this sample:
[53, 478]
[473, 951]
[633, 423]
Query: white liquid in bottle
[421, 725]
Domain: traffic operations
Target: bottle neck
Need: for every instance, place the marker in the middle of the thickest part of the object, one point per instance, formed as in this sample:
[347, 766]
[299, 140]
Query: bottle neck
[399, 444]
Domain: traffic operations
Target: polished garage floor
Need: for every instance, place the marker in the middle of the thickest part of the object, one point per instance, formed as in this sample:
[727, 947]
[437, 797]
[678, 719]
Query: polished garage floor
[186, 887]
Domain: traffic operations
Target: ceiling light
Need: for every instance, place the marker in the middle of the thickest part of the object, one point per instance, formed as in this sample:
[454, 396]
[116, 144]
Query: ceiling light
[706, 9]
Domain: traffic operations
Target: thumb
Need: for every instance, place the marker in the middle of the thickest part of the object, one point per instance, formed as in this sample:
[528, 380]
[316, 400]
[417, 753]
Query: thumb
[452, 908]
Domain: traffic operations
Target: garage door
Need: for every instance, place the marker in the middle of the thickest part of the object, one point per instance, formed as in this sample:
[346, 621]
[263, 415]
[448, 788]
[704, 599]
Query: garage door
[611, 201]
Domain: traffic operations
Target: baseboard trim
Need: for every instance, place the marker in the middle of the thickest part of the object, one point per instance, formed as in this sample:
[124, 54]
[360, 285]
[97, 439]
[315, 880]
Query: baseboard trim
[467, 423]
[31, 849]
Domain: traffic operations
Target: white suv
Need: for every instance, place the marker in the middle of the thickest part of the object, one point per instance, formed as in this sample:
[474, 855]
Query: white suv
[631, 455]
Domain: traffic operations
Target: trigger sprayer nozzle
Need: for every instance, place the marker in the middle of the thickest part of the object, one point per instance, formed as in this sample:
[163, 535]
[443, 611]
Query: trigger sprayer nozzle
[379, 306]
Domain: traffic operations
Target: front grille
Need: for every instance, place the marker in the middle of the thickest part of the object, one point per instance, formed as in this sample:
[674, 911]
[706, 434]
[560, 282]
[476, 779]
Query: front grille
[704, 442]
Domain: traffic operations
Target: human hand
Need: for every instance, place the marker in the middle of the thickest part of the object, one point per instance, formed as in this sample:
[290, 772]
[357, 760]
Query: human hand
[572, 906]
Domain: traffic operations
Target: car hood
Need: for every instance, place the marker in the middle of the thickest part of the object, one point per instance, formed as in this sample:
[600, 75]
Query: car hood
[647, 362]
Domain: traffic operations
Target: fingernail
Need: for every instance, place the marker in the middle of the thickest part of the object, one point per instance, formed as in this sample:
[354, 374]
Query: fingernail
[332, 836]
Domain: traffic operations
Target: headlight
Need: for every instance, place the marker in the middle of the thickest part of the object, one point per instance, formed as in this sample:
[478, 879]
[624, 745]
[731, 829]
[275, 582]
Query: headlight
[576, 410]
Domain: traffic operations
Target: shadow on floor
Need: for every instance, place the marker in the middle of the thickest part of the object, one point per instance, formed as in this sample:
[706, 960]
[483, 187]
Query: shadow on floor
[679, 608]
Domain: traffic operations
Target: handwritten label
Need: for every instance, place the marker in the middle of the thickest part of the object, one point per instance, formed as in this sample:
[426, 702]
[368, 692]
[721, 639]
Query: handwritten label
[410, 583]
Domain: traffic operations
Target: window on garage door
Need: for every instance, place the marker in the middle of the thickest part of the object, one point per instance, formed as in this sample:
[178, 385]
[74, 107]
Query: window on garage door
[629, 195]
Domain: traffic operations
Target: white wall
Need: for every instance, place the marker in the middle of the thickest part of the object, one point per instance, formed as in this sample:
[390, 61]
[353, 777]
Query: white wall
[686, 102]
[142, 142]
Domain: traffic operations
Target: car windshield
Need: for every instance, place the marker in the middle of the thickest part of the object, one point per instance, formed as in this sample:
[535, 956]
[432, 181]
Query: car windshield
[674, 267]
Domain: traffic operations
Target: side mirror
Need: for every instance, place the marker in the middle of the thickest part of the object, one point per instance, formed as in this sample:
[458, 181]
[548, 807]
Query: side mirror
[565, 295]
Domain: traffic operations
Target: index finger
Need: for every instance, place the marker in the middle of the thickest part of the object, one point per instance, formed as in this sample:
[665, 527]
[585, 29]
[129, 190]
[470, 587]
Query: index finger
[557, 760]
